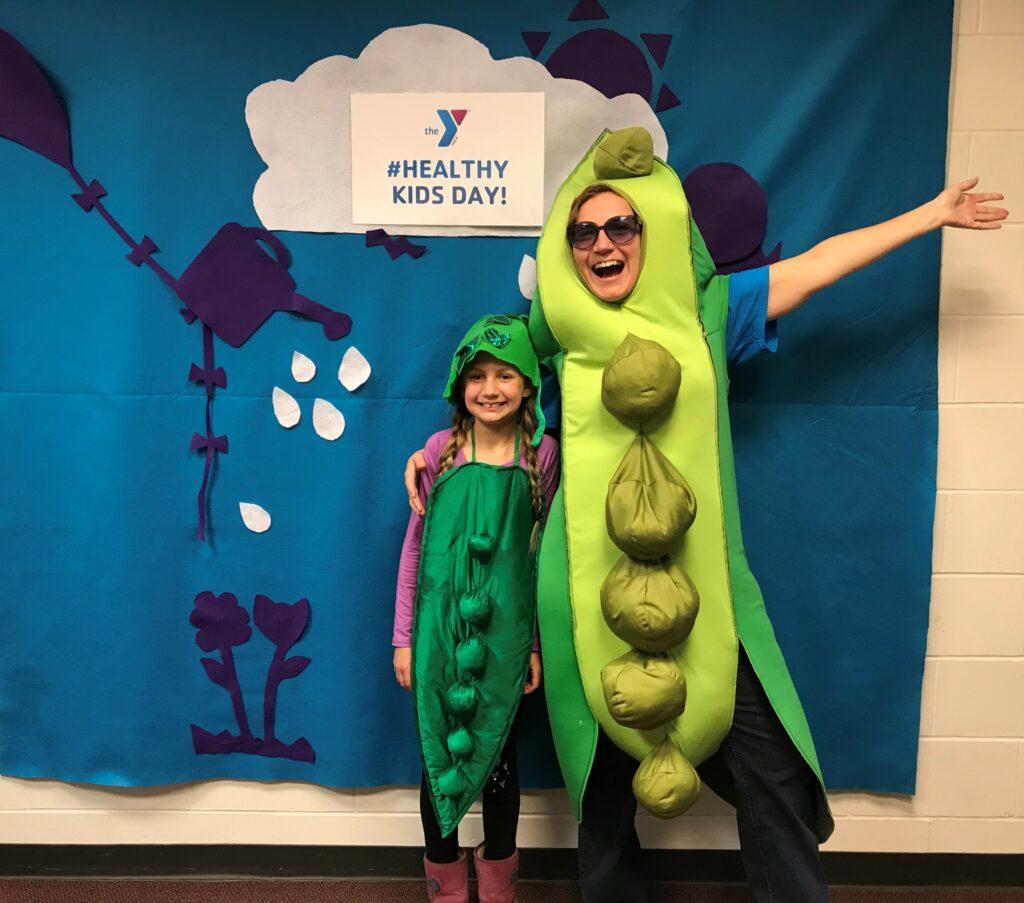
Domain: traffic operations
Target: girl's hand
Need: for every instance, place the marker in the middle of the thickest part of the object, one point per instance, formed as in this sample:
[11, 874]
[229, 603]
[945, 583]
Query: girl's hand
[413, 468]
[962, 210]
[533, 675]
[403, 666]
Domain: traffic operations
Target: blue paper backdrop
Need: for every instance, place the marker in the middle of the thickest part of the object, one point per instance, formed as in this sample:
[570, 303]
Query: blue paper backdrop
[839, 112]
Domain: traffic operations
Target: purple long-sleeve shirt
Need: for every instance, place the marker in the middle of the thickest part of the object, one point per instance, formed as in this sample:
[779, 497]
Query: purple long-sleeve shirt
[409, 563]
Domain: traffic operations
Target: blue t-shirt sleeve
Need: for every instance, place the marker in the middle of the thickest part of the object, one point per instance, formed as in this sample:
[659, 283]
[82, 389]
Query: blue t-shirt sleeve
[748, 332]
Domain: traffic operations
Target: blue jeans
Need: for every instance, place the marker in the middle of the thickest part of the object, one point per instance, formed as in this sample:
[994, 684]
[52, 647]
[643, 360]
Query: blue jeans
[757, 769]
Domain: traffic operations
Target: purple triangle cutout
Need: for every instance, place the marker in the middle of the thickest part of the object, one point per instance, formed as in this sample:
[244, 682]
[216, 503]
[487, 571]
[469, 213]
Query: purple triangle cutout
[535, 41]
[658, 44]
[587, 11]
[666, 100]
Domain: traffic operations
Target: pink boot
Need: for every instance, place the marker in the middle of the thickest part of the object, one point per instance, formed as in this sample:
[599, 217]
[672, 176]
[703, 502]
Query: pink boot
[496, 879]
[447, 882]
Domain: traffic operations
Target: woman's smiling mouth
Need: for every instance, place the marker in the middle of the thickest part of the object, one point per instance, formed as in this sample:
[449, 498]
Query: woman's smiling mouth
[608, 269]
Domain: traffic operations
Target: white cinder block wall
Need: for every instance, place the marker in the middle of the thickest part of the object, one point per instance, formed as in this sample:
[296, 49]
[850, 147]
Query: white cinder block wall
[971, 784]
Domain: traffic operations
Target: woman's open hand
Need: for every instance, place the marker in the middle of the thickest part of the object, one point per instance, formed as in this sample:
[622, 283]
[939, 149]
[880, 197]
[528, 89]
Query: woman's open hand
[961, 209]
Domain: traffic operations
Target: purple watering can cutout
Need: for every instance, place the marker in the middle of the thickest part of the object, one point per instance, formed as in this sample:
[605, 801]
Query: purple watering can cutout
[232, 286]
[731, 211]
[222, 624]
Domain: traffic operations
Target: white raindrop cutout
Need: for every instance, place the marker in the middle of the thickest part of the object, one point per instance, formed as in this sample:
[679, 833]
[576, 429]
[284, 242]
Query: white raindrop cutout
[303, 369]
[286, 408]
[354, 369]
[527, 277]
[328, 421]
[254, 517]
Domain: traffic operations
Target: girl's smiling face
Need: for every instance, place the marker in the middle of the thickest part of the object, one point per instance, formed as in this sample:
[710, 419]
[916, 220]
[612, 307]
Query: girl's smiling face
[493, 390]
[609, 270]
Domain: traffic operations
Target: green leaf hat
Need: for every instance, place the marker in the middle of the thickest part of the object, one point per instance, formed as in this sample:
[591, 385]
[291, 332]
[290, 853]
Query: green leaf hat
[507, 338]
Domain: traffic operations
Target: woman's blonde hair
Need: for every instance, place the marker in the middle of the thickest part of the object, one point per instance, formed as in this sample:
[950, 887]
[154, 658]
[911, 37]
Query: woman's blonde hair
[591, 191]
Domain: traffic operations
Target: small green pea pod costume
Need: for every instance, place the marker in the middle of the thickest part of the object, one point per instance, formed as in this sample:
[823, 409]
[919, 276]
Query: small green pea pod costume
[643, 588]
[475, 611]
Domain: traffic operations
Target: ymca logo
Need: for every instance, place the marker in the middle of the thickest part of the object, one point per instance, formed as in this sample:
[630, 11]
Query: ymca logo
[451, 120]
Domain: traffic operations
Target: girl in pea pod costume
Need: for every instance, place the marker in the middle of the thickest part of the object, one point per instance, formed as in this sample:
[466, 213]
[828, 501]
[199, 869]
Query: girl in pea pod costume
[644, 590]
[466, 605]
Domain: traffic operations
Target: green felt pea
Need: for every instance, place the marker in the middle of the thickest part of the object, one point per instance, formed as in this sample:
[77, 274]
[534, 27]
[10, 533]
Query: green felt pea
[462, 699]
[640, 382]
[643, 690]
[650, 605]
[475, 607]
[649, 505]
[471, 655]
[666, 784]
[460, 743]
[451, 782]
[481, 546]
[625, 154]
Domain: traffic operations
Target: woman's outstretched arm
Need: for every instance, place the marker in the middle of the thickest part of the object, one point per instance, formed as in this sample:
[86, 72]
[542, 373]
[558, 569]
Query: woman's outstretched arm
[793, 281]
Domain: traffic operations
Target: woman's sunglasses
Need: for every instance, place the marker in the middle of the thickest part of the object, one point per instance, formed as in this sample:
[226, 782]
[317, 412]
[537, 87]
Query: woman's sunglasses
[620, 229]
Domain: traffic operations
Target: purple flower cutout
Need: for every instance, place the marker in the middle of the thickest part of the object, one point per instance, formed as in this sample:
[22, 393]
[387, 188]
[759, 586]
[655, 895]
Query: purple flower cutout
[280, 622]
[221, 624]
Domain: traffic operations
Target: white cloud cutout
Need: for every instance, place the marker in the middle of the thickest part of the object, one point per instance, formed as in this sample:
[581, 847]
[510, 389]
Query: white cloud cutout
[301, 129]
[527, 277]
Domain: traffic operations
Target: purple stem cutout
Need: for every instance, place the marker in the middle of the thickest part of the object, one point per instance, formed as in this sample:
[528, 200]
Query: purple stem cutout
[233, 285]
[222, 623]
[282, 624]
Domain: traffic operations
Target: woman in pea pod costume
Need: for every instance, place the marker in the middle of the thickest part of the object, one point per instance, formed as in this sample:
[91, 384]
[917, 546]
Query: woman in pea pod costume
[644, 588]
[467, 584]
[657, 645]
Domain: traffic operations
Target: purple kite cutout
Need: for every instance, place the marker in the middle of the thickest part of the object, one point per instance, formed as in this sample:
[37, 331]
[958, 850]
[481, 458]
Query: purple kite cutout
[587, 11]
[731, 211]
[396, 246]
[30, 113]
[221, 624]
[232, 286]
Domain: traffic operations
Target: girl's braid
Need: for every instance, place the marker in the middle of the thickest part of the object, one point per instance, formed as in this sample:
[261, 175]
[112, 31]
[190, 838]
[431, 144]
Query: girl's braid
[461, 425]
[533, 469]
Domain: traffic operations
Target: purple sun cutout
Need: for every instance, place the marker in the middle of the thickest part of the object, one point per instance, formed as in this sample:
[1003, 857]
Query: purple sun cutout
[585, 57]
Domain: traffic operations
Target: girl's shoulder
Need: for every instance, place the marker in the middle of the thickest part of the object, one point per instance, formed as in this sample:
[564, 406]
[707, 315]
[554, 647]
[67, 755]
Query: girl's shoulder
[548, 447]
[547, 452]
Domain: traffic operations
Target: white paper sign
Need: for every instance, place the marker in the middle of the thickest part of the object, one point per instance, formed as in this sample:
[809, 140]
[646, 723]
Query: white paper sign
[448, 159]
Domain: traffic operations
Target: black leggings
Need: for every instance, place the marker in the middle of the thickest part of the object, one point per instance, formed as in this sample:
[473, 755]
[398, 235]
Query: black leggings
[501, 811]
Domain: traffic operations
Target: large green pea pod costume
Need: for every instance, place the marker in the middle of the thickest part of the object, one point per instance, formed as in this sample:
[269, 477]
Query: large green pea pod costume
[473, 627]
[643, 590]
